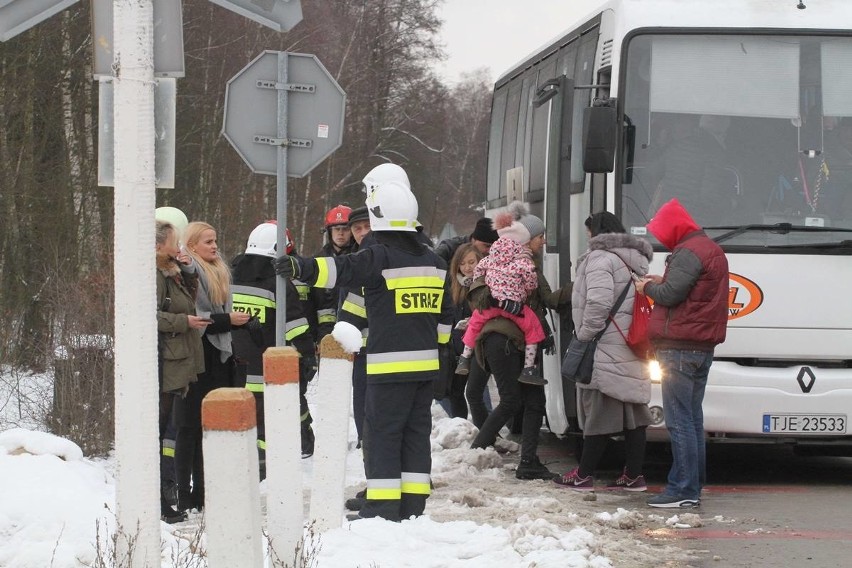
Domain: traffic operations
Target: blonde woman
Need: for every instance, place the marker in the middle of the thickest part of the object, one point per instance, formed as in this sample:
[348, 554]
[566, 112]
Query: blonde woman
[461, 273]
[212, 302]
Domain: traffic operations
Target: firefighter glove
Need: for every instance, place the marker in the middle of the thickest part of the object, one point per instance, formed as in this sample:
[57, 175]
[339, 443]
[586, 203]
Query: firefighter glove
[287, 266]
[255, 329]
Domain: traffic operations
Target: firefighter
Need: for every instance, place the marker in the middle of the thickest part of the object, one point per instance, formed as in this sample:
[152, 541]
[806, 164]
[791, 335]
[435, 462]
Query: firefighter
[338, 240]
[338, 237]
[409, 311]
[253, 292]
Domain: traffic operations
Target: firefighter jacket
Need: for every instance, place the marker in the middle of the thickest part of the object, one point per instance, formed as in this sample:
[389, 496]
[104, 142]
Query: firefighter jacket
[325, 300]
[407, 297]
[319, 307]
[253, 291]
[352, 307]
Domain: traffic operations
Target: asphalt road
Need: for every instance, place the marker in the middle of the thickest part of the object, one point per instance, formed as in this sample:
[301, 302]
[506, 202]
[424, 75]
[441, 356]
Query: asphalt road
[764, 506]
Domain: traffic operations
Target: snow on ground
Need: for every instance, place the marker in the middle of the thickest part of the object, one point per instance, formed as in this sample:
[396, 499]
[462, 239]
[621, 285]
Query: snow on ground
[56, 504]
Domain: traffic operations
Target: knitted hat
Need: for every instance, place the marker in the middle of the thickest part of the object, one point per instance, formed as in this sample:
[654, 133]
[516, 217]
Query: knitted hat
[517, 224]
[484, 231]
[533, 224]
[359, 214]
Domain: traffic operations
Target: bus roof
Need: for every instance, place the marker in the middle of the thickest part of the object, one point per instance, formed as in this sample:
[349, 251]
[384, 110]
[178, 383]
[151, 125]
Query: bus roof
[745, 14]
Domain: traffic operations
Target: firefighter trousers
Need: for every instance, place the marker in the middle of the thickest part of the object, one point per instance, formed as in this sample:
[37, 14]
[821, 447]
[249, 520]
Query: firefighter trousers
[397, 449]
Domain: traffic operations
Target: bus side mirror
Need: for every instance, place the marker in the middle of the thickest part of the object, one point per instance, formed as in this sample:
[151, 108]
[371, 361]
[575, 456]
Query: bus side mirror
[599, 130]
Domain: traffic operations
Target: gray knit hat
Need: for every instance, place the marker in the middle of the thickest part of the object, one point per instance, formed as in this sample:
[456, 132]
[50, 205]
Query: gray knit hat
[533, 224]
[522, 215]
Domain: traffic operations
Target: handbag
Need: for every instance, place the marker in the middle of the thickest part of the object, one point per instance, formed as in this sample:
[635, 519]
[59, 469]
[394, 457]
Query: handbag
[579, 359]
[637, 338]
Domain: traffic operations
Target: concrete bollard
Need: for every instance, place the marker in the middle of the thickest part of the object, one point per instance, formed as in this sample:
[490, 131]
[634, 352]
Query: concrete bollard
[232, 495]
[285, 510]
[334, 389]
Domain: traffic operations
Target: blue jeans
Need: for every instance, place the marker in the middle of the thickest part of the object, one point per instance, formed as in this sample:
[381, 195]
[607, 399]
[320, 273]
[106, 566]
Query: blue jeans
[684, 380]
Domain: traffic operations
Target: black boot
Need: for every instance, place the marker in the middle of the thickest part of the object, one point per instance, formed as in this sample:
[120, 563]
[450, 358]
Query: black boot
[533, 469]
[169, 492]
[185, 502]
[357, 503]
[169, 515]
[197, 497]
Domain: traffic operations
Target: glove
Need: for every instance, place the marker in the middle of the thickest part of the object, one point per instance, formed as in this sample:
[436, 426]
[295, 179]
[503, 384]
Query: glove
[287, 266]
[255, 329]
[548, 346]
[511, 306]
[308, 367]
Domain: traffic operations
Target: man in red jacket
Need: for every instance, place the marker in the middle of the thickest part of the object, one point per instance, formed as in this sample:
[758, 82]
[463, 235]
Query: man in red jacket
[689, 319]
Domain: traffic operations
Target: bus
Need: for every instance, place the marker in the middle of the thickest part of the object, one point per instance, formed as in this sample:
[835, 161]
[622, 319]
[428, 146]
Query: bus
[742, 109]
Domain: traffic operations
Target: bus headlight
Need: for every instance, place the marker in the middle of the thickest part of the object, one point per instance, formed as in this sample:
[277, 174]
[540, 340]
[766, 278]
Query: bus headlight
[656, 371]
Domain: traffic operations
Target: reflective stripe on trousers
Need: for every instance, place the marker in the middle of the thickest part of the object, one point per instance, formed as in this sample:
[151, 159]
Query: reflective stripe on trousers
[402, 362]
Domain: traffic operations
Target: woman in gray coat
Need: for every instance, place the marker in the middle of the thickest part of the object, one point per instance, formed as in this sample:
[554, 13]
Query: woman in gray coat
[616, 400]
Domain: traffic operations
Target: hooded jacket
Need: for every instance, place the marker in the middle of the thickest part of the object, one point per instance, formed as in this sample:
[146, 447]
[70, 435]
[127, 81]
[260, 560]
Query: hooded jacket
[179, 346]
[691, 303]
[603, 272]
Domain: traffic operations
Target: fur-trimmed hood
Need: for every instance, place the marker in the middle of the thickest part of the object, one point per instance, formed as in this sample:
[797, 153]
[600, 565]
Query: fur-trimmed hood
[609, 241]
[168, 266]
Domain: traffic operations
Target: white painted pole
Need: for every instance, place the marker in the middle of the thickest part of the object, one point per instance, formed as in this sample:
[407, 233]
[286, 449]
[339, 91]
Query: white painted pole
[232, 495]
[334, 389]
[136, 397]
[284, 501]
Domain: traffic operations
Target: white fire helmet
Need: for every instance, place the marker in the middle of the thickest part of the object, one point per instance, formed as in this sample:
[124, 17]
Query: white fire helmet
[263, 238]
[174, 216]
[392, 207]
[384, 173]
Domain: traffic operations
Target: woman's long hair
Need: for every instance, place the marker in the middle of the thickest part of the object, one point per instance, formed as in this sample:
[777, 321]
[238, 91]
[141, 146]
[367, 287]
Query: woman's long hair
[458, 291]
[217, 272]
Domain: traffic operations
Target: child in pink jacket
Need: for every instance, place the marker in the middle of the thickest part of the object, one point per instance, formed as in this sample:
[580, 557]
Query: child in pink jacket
[510, 273]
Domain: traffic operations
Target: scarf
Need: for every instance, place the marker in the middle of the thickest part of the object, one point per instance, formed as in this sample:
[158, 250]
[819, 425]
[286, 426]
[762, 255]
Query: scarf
[221, 341]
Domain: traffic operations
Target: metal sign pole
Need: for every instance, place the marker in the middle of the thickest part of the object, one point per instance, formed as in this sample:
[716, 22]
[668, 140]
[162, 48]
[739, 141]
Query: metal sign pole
[281, 198]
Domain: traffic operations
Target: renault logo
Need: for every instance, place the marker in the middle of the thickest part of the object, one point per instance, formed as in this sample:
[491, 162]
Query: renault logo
[806, 379]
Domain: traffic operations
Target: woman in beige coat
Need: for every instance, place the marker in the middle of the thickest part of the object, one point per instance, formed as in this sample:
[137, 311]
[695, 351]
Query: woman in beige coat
[616, 400]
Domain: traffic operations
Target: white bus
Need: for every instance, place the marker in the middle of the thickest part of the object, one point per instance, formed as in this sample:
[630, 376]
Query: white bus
[743, 110]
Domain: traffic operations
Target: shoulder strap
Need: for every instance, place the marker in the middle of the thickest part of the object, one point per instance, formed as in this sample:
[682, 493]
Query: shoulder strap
[614, 310]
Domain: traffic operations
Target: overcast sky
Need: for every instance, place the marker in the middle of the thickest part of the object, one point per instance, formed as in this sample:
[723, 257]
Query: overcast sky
[499, 33]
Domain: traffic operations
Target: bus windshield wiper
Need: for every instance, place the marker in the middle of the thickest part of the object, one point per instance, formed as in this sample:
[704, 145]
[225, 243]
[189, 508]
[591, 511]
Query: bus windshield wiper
[780, 228]
[847, 244]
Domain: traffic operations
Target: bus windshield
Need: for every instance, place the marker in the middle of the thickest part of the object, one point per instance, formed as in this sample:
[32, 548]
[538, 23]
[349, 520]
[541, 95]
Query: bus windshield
[745, 130]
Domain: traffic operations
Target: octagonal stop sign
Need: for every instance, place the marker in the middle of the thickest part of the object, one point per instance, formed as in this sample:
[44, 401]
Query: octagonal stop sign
[315, 107]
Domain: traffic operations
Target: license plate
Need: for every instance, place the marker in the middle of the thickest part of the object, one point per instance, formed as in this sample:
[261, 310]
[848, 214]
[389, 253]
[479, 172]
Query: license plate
[804, 423]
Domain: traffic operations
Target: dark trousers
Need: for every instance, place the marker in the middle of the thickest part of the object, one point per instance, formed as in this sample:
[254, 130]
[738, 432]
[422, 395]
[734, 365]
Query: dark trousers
[397, 449]
[505, 361]
[477, 382]
[634, 452]
[167, 444]
[455, 399]
[359, 391]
